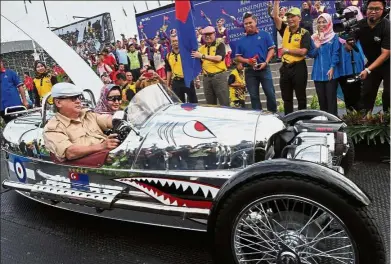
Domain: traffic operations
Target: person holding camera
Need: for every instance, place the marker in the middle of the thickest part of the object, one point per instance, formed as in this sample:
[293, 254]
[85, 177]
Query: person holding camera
[351, 63]
[374, 35]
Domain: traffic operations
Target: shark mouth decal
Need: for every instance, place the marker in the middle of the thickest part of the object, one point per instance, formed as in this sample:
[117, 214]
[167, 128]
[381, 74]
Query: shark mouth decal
[175, 192]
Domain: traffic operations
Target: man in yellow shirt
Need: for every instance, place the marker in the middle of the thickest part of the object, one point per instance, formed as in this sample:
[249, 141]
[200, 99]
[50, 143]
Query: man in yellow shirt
[175, 77]
[212, 56]
[296, 43]
[128, 88]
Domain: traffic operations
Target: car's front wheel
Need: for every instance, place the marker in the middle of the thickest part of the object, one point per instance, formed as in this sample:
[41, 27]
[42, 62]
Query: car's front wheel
[285, 219]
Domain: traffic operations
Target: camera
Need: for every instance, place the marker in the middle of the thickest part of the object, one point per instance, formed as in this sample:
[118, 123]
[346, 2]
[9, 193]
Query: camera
[346, 28]
[348, 23]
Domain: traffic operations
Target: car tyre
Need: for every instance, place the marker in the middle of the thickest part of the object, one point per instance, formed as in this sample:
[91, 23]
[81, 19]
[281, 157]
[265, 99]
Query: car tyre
[363, 230]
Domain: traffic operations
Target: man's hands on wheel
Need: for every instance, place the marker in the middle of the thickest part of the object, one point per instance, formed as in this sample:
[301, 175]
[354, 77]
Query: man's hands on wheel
[111, 142]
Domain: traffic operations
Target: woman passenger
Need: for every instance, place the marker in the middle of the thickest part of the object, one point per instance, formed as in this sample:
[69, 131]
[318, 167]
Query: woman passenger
[110, 99]
[326, 58]
[43, 82]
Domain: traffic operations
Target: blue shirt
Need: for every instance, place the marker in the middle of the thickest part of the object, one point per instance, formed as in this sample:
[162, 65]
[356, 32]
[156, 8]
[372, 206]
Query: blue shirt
[345, 66]
[325, 57]
[9, 89]
[255, 44]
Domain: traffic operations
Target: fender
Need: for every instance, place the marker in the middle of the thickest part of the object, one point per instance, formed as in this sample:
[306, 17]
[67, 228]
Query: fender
[309, 170]
[295, 116]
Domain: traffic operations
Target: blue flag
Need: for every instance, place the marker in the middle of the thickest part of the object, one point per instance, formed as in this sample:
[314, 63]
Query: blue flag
[187, 39]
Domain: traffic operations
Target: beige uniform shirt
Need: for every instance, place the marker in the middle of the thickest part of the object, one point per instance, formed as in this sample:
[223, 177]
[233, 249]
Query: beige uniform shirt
[61, 132]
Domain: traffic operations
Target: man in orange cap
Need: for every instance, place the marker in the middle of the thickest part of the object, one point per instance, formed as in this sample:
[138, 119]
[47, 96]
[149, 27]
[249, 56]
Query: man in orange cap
[212, 56]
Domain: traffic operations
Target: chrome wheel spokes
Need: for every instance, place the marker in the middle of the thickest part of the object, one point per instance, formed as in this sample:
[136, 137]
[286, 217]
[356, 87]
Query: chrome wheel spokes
[291, 229]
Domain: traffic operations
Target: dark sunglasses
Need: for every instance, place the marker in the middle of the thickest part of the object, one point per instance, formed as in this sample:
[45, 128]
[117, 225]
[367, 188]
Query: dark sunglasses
[73, 98]
[114, 98]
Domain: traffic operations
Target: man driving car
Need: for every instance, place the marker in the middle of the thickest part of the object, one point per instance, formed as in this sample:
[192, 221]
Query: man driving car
[75, 132]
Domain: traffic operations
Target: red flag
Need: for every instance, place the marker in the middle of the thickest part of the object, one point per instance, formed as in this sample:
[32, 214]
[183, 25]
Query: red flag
[166, 18]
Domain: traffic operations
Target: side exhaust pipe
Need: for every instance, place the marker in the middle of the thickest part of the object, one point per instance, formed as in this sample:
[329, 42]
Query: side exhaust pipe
[101, 201]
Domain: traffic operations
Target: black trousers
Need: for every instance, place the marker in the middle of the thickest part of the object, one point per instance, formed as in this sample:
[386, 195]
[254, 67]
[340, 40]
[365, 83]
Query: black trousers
[351, 92]
[293, 77]
[180, 89]
[327, 96]
[371, 87]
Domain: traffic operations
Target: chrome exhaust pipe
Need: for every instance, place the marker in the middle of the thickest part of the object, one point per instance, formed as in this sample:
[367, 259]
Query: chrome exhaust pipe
[101, 200]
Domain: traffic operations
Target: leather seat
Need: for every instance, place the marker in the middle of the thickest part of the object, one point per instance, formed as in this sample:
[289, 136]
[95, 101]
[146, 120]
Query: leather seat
[95, 160]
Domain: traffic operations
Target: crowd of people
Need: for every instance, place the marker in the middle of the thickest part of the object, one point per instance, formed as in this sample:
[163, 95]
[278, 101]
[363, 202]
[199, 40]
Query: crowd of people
[303, 32]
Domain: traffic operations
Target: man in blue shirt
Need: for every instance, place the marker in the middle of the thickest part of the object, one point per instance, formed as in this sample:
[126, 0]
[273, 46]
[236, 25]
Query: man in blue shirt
[11, 87]
[255, 50]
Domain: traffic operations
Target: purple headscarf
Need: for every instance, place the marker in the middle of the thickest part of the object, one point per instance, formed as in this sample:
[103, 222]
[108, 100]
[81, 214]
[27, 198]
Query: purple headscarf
[103, 106]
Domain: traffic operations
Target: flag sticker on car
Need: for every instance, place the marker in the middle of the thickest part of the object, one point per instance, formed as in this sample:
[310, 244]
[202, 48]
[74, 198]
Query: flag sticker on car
[79, 180]
[16, 164]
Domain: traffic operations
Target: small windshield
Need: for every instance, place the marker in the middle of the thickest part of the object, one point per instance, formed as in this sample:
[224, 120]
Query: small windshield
[147, 102]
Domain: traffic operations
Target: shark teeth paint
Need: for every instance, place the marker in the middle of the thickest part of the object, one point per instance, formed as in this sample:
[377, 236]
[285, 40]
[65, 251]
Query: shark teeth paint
[148, 186]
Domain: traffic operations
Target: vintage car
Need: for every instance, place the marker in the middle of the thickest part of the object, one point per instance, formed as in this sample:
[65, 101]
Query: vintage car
[266, 188]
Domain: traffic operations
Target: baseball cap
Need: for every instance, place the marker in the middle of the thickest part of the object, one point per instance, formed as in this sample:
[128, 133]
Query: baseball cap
[294, 11]
[65, 90]
[208, 30]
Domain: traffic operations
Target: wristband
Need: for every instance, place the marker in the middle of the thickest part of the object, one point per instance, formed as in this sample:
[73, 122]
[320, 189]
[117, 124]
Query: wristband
[367, 70]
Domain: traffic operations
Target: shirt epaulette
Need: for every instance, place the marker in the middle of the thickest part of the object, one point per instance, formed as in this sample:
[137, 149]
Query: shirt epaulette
[52, 124]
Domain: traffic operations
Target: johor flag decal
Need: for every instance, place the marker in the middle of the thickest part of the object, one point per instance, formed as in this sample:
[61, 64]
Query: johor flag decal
[187, 39]
[79, 180]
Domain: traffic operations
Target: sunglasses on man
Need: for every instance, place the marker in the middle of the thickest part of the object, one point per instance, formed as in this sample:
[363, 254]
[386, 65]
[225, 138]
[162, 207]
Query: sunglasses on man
[114, 98]
[73, 98]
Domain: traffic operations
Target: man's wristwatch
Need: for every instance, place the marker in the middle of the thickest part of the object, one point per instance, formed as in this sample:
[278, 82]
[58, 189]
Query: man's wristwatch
[203, 56]
[286, 51]
[367, 70]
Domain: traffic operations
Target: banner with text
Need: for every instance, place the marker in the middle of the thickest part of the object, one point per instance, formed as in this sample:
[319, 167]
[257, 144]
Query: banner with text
[151, 22]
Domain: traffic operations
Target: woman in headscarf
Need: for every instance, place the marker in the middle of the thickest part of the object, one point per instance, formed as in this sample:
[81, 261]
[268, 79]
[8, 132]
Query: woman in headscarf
[351, 86]
[43, 82]
[110, 99]
[326, 58]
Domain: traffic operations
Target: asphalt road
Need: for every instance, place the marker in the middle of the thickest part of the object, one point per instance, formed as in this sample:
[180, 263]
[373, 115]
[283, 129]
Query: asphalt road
[35, 233]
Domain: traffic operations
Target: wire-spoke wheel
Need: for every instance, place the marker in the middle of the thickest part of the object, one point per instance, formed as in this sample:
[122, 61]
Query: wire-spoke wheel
[291, 229]
[291, 220]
